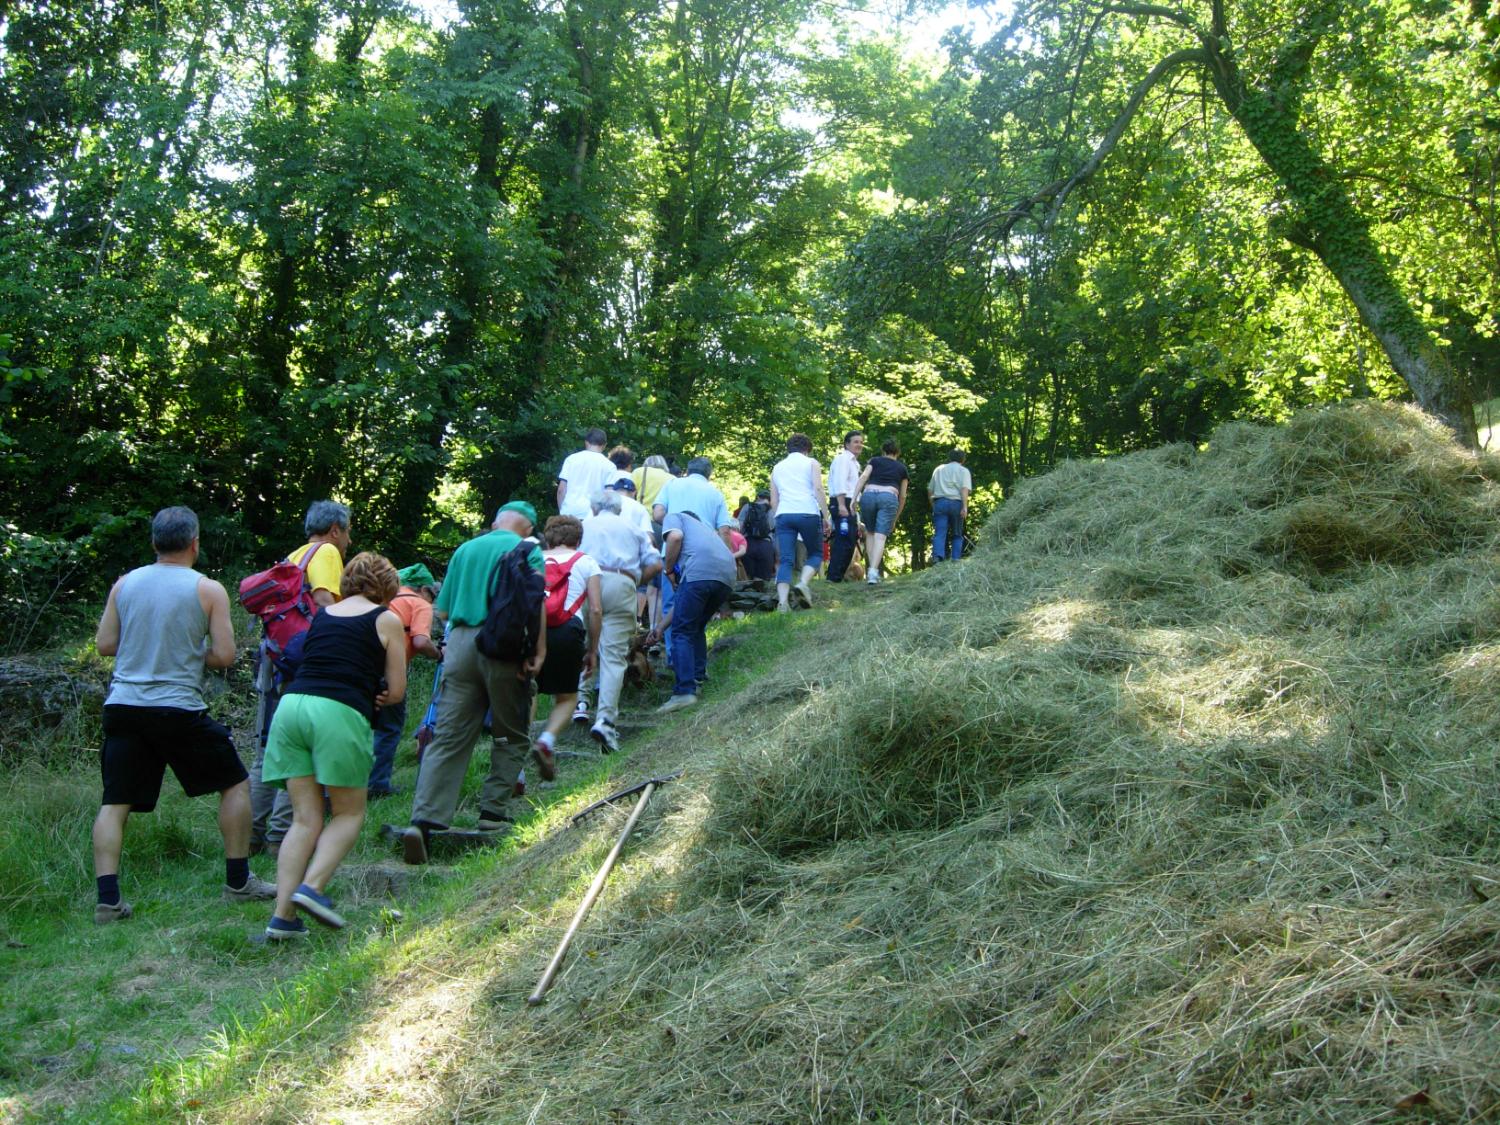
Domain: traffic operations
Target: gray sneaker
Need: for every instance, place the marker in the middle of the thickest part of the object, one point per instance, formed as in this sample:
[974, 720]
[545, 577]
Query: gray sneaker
[105, 912]
[677, 703]
[255, 889]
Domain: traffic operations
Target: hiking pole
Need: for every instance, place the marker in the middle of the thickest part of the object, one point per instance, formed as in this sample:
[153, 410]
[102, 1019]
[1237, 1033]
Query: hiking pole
[645, 788]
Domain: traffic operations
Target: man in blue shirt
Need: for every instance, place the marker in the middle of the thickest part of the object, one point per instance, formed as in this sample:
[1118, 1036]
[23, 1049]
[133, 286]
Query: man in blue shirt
[701, 568]
[692, 493]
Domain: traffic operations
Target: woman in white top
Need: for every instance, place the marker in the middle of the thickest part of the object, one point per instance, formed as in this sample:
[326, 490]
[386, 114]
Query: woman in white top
[800, 508]
[572, 649]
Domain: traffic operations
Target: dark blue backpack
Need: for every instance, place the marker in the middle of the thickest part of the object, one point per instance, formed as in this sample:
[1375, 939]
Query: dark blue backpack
[516, 593]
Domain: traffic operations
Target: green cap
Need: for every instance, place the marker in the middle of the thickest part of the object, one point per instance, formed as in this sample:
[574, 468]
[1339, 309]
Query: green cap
[416, 576]
[521, 508]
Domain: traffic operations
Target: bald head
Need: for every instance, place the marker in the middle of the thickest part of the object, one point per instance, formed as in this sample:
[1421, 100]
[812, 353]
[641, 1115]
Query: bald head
[512, 521]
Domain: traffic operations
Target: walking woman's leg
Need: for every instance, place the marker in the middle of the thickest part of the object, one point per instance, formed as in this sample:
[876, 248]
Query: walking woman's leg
[337, 838]
[301, 839]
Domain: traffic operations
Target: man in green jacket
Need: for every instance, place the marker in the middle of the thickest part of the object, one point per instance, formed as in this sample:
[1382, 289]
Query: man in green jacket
[473, 684]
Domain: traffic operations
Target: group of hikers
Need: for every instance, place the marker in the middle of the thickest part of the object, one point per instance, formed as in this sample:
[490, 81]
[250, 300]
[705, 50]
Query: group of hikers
[631, 547]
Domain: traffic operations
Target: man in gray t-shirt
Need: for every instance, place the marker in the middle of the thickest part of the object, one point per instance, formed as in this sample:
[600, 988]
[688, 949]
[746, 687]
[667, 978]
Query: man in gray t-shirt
[701, 569]
[164, 624]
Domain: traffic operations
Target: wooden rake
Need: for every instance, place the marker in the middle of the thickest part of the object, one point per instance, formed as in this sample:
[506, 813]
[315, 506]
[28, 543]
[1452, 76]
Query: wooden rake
[645, 789]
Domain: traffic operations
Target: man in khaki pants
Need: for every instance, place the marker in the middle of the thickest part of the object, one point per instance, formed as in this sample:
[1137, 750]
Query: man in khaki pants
[627, 558]
[474, 683]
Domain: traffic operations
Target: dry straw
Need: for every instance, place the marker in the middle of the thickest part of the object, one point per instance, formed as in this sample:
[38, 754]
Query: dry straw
[1177, 802]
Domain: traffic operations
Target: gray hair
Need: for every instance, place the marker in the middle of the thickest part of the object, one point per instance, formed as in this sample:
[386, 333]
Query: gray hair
[656, 461]
[173, 530]
[701, 466]
[325, 515]
[607, 500]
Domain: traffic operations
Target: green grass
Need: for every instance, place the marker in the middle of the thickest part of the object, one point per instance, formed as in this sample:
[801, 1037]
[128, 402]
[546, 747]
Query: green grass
[177, 1005]
[1174, 802]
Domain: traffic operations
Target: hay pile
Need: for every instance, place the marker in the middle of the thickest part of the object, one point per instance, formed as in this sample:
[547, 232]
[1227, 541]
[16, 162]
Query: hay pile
[1178, 801]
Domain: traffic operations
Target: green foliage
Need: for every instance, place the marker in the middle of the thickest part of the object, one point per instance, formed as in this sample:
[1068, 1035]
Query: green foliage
[253, 253]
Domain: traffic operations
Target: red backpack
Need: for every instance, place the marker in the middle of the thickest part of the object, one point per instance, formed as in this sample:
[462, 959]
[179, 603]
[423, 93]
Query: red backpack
[558, 611]
[280, 597]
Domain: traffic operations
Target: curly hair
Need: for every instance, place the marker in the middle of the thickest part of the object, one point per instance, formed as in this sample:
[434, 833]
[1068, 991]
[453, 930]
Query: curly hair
[563, 531]
[371, 575]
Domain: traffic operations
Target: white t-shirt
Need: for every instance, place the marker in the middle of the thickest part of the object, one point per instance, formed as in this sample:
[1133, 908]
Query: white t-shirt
[795, 477]
[578, 578]
[586, 472]
[635, 513]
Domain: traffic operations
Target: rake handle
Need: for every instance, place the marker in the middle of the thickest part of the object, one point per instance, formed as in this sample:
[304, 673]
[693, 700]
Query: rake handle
[539, 993]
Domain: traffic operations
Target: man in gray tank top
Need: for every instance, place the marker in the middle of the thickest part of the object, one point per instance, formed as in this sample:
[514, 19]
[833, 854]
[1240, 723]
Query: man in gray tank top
[164, 624]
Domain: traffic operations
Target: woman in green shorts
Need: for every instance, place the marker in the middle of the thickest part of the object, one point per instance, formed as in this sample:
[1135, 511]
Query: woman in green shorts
[353, 661]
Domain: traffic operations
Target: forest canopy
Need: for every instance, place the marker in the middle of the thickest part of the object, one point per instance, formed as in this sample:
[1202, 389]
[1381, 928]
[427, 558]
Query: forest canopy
[255, 252]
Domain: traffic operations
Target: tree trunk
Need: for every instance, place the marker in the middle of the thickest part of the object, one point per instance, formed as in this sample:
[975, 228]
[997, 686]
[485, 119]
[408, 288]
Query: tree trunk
[1328, 224]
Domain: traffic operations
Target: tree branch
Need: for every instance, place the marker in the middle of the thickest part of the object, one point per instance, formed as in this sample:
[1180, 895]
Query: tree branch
[1056, 194]
[1157, 11]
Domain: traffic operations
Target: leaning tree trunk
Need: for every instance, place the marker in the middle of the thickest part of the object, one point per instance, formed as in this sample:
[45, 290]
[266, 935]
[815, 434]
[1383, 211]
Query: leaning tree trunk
[1326, 222]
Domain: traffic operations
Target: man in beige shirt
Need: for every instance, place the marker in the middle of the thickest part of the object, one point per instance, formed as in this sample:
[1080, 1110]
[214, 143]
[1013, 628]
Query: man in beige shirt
[949, 489]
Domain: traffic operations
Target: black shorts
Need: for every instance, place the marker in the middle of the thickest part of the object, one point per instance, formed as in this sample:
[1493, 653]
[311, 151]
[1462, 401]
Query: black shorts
[141, 742]
[564, 663]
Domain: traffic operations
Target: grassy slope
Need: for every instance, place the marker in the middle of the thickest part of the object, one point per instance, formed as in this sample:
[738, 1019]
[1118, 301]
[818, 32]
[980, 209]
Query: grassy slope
[91, 1010]
[1176, 802]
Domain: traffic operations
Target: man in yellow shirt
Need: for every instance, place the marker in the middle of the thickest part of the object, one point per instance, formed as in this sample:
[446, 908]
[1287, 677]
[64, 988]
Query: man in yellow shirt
[327, 528]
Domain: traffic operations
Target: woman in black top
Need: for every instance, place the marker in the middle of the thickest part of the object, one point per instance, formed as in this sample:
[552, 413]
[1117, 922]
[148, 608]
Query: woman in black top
[353, 661]
[881, 493]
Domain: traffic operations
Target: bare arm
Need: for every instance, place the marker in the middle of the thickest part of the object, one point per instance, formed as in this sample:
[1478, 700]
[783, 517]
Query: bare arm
[673, 552]
[775, 498]
[393, 636]
[562, 490]
[323, 597]
[964, 501]
[859, 485]
[107, 636]
[422, 643]
[822, 496]
[900, 499]
[215, 603]
[534, 665]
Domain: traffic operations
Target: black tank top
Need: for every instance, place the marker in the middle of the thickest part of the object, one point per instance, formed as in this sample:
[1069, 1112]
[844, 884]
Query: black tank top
[343, 660]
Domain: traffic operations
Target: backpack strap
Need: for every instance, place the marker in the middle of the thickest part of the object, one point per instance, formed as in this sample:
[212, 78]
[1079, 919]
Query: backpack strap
[567, 570]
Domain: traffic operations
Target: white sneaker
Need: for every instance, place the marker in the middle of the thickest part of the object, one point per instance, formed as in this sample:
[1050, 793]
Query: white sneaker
[801, 588]
[677, 703]
[606, 736]
[581, 712]
[873, 579]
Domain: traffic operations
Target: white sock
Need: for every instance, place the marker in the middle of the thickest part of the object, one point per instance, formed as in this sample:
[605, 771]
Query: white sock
[547, 739]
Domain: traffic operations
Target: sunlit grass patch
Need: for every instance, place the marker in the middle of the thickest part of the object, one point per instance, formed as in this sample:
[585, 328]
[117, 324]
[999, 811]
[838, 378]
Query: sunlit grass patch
[1174, 802]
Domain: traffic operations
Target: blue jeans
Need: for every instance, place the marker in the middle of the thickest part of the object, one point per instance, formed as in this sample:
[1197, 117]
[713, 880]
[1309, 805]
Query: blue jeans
[879, 511]
[788, 528]
[694, 608]
[390, 721]
[947, 523]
